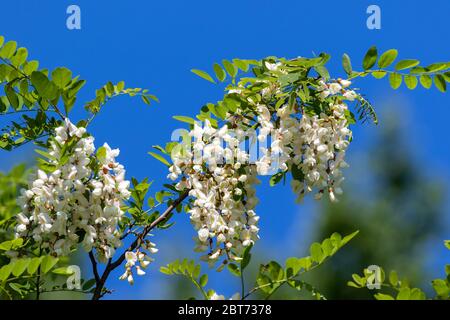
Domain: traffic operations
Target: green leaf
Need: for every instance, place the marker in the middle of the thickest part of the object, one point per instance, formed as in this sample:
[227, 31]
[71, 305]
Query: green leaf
[88, 284]
[5, 271]
[293, 266]
[387, 58]
[203, 75]
[119, 87]
[8, 50]
[406, 64]
[160, 158]
[241, 64]
[379, 74]
[145, 99]
[411, 82]
[275, 271]
[316, 252]
[165, 270]
[203, 280]
[370, 58]
[382, 296]
[11, 244]
[347, 238]
[426, 81]
[404, 294]
[327, 247]
[43, 85]
[65, 271]
[220, 73]
[346, 63]
[184, 119]
[441, 287]
[34, 265]
[61, 77]
[101, 153]
[439, 82]
[447, 244]
[246, 257]
[20, 57]
[264, 282]
[229, 67]
[234, 269]
[437, 67]
[12, 96]
[395, 80]
[47, 263]
[323, 72]
[276, 178]
[20, 265]
[160, 195]
[30, 66]
[393, 278]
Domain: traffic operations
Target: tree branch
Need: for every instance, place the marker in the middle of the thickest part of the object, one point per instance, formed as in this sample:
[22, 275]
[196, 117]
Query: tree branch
[136, 243]
[94, 267]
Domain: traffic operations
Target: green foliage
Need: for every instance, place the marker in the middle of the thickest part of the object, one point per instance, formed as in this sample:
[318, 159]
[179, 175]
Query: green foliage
[10, 185]
[203, 75]
[272, 276]
[29, 89]
[396, 289]
[370, 58]
[50, 95]
[190, 270]
[160, 158]
[110, 91]
[436, 72]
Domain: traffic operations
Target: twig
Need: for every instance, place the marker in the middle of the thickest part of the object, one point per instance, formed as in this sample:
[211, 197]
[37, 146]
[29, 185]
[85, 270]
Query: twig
[94, 267]
[136, 243]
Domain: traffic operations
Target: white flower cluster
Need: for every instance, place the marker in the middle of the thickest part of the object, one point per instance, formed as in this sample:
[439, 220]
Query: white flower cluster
[133, 258]
[314, 144]
[220, 173]
[222, 185]
[319, 152]
[74, 203]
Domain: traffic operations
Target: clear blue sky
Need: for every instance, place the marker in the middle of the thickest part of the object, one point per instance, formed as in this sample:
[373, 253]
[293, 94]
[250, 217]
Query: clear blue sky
[154, 44]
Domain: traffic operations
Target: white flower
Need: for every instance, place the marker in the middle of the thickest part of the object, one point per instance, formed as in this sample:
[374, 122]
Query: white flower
[131, 258]
[74, 199]
[272, 66]
[345, 83]
[130, 279]
[215, 296]
[139, 271]
[203, 234]
[334, 88]
[350, 95]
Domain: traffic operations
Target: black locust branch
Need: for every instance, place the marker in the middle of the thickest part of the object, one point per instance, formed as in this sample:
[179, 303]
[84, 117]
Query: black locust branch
[111, 265]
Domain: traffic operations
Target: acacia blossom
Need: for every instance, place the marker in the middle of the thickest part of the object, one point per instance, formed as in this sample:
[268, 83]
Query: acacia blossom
[79, 200]
[138, 260]
[221, 177]
[222, 185]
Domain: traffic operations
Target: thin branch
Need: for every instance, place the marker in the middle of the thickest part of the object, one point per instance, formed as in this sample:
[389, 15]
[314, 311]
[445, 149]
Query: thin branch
[136, 243]
[94, 267]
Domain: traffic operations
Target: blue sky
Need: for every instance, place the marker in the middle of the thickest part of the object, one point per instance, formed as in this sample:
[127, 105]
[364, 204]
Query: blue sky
[154, 44]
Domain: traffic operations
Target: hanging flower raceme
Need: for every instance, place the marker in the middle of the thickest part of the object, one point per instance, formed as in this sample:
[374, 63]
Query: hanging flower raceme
[313, 145]
[222, 186]
[309, 140]
[78, 200]
[138, 260]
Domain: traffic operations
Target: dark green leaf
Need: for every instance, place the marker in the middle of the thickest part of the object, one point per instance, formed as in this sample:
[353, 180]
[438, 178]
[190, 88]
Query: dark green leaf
[370, 58]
